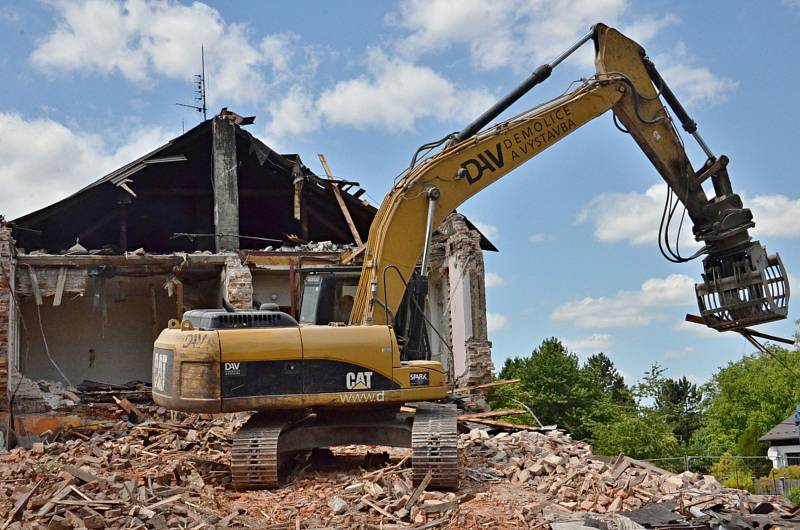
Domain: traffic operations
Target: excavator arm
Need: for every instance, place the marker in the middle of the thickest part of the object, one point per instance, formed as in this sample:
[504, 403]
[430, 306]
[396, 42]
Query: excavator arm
[742, 285]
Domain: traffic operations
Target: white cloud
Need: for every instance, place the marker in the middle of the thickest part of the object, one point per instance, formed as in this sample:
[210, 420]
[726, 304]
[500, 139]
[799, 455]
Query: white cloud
[646, 27]
[294, 114]
[695, 84]
[539, 238]
[692, 83]
[44, 161]
[629, 308]
[495, 321]
[142, 39]
[525, 33]
[494, 280]
[395, 94]
[516, 33]
[278, 50]
[490, 231]
[679, 354]
[594, 343]
[437, 24]
[775, 215]
[634, 217]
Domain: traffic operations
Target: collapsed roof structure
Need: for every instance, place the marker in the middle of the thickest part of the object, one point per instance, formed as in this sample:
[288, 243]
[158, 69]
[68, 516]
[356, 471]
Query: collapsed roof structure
[87, 283]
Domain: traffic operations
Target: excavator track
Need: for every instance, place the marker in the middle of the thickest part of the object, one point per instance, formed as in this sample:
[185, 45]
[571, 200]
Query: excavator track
[434, 444]
[254, 455]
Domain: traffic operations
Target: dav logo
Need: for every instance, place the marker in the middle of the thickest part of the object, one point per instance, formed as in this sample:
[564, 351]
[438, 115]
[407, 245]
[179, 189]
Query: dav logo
[358, 380]
[234, 369]
[419, 378]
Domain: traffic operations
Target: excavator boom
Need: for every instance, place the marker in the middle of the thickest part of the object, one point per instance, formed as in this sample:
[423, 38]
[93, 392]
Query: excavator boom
[742, 285]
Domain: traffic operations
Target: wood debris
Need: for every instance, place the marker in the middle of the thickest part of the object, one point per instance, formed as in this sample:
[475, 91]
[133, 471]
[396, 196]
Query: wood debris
[172, 471]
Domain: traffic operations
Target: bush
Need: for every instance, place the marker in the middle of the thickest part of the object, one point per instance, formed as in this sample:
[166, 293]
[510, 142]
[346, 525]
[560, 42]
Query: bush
[794, 495]
[791, 472]
[731, 475]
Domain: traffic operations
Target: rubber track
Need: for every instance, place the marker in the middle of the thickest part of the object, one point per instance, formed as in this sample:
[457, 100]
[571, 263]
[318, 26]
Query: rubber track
[434, 444]
[254, 455]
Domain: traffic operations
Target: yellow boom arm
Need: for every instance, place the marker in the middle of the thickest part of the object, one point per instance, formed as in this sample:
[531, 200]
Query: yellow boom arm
[464, 168]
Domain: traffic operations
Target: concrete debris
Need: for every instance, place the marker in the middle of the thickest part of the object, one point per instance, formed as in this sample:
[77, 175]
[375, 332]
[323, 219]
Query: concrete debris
[311, 246]
[172, 471]
[566, 472]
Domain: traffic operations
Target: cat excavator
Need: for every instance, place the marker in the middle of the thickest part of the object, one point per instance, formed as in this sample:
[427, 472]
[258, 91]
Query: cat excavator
[317, 385]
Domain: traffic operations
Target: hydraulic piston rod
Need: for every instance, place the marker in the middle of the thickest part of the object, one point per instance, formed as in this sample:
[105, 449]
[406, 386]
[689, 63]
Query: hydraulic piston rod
[433, 196]
[538, 75]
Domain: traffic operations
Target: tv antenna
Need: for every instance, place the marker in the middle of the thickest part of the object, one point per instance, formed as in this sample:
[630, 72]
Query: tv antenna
[199, 88]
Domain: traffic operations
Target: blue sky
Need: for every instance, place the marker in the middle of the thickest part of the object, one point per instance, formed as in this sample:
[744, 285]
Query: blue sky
[90, 85]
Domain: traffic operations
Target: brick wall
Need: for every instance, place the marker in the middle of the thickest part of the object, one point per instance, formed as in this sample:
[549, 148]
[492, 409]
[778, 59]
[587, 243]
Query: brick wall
[455, 241]
[465, 246]
[6, 246]
[238, 283]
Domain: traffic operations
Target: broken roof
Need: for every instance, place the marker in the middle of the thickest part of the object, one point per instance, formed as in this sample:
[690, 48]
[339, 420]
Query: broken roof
[168, 192]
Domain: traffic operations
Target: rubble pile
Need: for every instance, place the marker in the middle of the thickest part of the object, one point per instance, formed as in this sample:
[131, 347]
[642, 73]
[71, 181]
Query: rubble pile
[172, 471]
[311, 246]
[158, 474]
[565, 471]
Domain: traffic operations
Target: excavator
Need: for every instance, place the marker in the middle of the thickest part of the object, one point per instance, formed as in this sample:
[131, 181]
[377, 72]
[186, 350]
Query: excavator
[314, 386]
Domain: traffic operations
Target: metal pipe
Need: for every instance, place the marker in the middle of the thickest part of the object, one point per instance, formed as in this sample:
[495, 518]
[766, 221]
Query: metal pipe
[702, 143]
[572, 48]
[433, 196]
[689, 125]
[293, 287]
[538, 75]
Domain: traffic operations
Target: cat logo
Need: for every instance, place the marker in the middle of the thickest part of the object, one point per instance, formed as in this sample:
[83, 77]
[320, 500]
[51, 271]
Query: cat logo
[358, 380]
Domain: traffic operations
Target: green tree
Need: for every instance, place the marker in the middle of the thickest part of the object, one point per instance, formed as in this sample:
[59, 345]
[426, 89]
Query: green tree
[748, 397]
[550, 385]
[603, 381]
[680, 402]
[640, 433]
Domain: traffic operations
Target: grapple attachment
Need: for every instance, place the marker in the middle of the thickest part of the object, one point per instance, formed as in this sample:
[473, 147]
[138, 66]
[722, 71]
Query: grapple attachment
[743, 289]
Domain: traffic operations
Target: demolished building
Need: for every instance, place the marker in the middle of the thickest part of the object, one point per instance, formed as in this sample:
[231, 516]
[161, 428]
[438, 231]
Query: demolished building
[87, 283]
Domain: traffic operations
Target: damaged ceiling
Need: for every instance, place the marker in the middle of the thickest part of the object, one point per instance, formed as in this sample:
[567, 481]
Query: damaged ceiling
[163, 202]
[169, 191]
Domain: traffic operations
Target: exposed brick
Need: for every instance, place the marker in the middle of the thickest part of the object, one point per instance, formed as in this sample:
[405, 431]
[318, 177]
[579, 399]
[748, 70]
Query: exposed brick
[238, 287]
[6, 253]
[454, 239]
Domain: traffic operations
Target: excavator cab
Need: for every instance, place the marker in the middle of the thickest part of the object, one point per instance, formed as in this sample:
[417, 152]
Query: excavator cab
[328, 297]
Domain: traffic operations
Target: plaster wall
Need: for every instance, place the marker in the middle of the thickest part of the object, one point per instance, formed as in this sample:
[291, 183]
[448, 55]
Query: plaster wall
[272, 287]
[84, 345]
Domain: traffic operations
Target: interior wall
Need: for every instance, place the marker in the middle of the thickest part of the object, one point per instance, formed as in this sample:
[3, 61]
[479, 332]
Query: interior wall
[460, 315]
[83, 346]
[272, 286]
[438, 315]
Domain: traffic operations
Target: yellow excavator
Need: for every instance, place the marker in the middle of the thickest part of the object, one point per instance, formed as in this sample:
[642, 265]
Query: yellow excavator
[327, 385]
